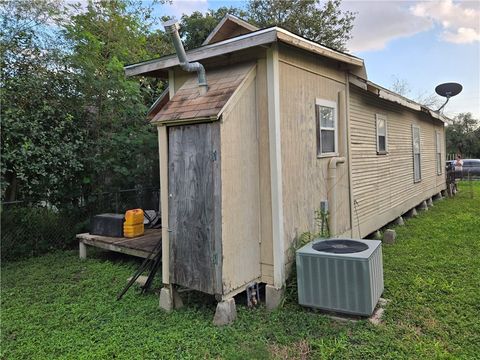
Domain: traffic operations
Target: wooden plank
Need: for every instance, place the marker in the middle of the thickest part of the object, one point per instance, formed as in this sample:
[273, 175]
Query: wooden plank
[241, 195]
[264, 168]
[260, 37]
[273, 89]
[216, 33]
[163, 166]
[292, 39]
[140, 246]
[257, 38]
[192, 201]
[112, 247]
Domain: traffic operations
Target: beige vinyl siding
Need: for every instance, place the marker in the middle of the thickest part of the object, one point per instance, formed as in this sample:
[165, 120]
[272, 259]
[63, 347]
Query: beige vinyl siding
[303, 79]
[383, 186]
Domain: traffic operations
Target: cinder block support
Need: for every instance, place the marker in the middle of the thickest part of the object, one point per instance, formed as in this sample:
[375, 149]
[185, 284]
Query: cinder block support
[389, 236]
[423, 206]
[170, 299]
[273, 297]
[82, 250]
[411, 213]
[438, 197]
[177, 300]
[429, 202]
[376, 235]
[444, 193]
[166, 299]
[226, 312]
[399, 221]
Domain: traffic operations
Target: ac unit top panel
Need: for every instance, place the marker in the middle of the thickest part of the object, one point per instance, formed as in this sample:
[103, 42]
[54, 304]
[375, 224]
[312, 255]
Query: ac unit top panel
[358, 256]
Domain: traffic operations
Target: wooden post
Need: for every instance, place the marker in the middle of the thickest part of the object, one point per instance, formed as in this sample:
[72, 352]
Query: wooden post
[82, 249]
[273, 90]
[163, 155]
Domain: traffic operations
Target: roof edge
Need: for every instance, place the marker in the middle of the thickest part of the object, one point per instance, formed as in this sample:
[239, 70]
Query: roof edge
[232, 18]
[392, 96]
[256, 38]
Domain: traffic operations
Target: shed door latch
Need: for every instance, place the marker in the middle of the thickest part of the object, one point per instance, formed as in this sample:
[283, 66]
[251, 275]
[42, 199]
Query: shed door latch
[213, 155]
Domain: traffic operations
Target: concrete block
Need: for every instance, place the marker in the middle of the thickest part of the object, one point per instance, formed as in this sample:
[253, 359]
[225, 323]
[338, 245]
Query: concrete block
[82, 250]
[438, 197]
[226, 312]
[141, 280]
[177, 300]
[273, 297]
[376, 235]
[444, 193]
[389, 236]
[399, 221]
[423, 206]
[429, 202]
[376, 318]
[166, 300]
[411, 213]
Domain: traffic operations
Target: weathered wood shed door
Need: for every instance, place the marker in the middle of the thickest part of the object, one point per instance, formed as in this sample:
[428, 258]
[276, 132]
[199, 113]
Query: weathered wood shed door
[195, 207]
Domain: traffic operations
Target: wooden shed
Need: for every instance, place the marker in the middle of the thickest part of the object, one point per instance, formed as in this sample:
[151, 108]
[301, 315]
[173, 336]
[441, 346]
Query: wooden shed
[284, 124]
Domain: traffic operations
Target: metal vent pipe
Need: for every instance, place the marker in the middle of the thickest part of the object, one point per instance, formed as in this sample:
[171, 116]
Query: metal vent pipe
[171, 27]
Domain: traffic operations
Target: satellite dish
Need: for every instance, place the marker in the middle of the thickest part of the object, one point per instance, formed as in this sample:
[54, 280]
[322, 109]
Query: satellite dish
[448, 90]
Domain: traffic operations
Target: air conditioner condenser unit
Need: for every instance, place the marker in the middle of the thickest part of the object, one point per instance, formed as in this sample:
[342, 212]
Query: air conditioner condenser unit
[340, 275]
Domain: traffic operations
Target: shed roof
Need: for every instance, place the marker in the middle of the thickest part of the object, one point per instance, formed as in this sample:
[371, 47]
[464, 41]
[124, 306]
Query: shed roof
[230, 26]
[261, 37]
[189, 105]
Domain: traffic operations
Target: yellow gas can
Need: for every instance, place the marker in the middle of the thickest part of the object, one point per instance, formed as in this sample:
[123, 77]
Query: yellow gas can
[131, 231]
[133, 217]
[133, 225]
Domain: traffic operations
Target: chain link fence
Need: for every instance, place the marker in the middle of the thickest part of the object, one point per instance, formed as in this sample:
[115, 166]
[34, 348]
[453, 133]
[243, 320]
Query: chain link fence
[33, 228]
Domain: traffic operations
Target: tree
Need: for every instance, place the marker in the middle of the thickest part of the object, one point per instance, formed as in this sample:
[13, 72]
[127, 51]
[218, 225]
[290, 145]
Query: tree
[122, 146]
[324, 23]
[40, 141]
[71, 122]
[463, 136]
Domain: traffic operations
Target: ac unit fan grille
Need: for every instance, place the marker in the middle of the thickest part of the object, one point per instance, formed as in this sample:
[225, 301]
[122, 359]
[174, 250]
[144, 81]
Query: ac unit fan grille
[340, 246]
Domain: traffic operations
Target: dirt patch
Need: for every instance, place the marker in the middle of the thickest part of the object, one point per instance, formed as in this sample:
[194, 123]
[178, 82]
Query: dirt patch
[299, 350]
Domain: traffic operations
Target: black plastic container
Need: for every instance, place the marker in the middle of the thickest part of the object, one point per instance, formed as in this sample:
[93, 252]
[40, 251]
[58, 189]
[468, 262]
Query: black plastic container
[107, 225]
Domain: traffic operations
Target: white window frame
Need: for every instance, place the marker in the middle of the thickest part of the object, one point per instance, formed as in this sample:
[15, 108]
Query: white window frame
[384, 118]
[415, 180]
[438, 152]
[319, 128]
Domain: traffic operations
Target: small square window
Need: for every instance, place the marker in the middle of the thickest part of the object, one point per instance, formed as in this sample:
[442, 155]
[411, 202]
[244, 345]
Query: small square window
[326, 123]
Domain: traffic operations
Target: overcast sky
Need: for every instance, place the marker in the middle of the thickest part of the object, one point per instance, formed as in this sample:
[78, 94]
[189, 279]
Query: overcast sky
[423, 43]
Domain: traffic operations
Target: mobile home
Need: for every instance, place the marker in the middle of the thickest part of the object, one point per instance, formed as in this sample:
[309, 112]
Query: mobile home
[249, 149]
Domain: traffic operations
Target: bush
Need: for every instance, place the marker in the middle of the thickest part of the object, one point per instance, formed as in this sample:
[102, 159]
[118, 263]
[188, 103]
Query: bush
[31, 231]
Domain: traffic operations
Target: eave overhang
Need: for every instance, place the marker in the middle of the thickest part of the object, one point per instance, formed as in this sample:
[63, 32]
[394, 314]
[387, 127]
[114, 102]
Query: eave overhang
[159, 67]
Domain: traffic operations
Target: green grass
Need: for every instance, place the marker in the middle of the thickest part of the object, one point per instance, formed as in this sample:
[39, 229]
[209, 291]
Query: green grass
[56, 306]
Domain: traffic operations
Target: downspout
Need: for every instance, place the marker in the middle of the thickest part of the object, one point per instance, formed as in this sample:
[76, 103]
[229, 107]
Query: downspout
[171, 27]
[332, 182]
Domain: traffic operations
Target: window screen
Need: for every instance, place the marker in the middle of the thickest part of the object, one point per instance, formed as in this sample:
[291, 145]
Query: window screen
[381, 134]
[417, 170]
[438, 154]
[326, 119]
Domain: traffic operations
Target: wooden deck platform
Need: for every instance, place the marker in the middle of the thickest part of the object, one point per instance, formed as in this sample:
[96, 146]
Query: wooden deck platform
[140, 246]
